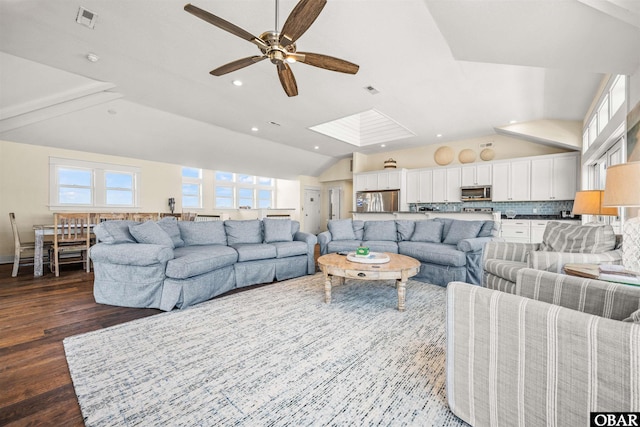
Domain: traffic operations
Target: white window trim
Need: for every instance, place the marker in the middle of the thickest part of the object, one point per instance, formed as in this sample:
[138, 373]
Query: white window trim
[255, 187]
[98, 184]
[198, 182]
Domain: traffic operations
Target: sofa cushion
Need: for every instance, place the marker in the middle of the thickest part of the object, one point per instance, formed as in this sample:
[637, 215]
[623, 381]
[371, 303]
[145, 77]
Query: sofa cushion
[405, 228]
[192, 261]
[461, 229]
[381, 246]
[435, 253]
[341, 229]
[427, 230]
[287, 249]
[504, 269]
[277, 230]
[487, 229]
[170, 225]
[295, 227]
[151, 233]
[573, 238]
[243, 231]
[358, 229]
[380, 230]
[113, 232]
[196, 233]
[254, 251]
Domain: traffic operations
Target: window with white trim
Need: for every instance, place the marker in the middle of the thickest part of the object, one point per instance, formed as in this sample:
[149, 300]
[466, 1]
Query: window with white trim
[191, 187]
[243, 191]
[78, 183]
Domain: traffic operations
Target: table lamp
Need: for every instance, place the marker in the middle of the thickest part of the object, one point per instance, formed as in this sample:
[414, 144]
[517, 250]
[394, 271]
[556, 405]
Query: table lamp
[622, 189]
[589, 202]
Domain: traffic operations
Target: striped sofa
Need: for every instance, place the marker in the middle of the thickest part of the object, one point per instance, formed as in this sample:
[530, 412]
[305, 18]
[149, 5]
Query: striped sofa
[562, 244]
[555, 350]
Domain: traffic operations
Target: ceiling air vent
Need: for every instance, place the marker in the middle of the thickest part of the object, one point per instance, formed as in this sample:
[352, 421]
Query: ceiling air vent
[372, 90]
[86, 17]
[486, 144]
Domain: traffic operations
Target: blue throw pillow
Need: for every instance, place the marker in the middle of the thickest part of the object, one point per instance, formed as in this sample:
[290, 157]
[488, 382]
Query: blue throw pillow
[170, 225]
[202, 233]
[243, 231]
[461, 229]
[427, 230]
[380, 230]
[405, 228]
[341, 229]
[277, 230]
[113, 232]
[151, 233]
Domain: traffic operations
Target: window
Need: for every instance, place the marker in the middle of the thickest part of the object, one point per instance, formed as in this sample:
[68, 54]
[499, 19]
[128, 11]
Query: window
[76, 183]
[241, 190]
[618, 94]
[610, 101]
[191, 187]
[603, 114]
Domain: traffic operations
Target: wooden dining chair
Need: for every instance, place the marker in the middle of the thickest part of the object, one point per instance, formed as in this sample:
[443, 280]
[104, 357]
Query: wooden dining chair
[98, 217]
[72, 234]
[142, 217]
[20, 247]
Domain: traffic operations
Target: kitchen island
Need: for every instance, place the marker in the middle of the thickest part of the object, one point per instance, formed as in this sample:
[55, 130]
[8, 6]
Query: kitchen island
[379, 216]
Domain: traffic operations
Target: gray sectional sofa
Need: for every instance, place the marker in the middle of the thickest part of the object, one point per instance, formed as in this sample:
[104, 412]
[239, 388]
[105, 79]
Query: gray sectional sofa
[448, 249]
[171, 263]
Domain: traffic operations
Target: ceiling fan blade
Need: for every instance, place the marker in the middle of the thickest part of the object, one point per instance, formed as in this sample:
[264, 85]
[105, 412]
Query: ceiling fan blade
[225, 25]
[300, 19]
[326, 62]
[236, 65]
[287, 79]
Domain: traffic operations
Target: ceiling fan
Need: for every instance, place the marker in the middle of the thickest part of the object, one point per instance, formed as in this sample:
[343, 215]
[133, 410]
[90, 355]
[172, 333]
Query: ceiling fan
[279, 47]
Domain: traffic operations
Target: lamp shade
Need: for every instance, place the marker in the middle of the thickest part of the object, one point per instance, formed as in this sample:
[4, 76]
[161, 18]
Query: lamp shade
[589, 202]
[622, 187]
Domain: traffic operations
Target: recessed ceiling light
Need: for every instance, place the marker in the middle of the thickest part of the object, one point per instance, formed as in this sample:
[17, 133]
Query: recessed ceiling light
[237, 83]
[92, 57]
[254, 129]
[513, 121]
[383, 145]
[439, 135]
[316, 148]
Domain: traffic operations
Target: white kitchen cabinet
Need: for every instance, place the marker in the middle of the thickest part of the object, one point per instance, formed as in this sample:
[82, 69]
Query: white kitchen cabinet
[419, 186]
[476, 175]
[389, 180]
[537, 230]
[365, 181]
[372, 181]
[554, 178]
[511, 181]
[513, 230]
[446, 185]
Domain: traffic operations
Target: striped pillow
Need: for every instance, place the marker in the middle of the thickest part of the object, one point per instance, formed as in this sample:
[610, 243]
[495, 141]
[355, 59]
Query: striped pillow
[590, 239]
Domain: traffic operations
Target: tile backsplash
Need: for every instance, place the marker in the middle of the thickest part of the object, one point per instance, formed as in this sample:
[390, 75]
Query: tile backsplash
[521, 208]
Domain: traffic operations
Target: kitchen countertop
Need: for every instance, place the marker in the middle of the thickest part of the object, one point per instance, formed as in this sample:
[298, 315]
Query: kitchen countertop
[544, 217]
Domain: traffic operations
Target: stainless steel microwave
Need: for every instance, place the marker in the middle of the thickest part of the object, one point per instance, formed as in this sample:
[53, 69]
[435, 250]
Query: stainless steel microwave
[479, 193]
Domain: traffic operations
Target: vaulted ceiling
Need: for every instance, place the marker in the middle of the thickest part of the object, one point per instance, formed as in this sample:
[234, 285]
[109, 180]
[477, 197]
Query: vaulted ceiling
[457, 68]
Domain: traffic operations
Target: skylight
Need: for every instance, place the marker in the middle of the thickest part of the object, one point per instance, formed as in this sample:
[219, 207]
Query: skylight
[366, 128]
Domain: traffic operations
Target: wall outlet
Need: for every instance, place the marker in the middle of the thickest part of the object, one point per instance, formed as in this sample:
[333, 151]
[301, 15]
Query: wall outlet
[535, 210]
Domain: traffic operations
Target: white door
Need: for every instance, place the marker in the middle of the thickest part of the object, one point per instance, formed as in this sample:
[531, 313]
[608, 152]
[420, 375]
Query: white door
[311, 211]
[335, 195]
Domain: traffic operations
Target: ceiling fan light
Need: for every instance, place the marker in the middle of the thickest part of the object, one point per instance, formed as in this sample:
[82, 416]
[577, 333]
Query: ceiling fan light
[291, 59]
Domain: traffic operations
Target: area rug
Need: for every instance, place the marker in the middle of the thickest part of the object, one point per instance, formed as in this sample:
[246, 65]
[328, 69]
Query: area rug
[272, 356]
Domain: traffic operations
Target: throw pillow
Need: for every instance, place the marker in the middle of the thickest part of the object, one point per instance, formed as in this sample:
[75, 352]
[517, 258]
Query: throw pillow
[243, 231]
[358, 229]
[461, 229]
[113, 232]
[341, 229]
[277, 230]
[405, 228]
[574, 238]
[196, 233]
[380, 230]
[151, 233]
[427, 230]
[170, 225]
[487, 229]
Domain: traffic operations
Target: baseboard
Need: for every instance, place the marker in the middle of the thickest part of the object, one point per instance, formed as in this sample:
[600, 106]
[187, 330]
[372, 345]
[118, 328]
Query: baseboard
[6, 259]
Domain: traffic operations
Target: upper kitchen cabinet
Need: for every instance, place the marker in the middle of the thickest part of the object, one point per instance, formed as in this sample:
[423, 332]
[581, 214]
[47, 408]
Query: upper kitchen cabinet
[476, 175]
[446, 185]
[419, 186]
[554, 178]
[511, 181]
[378, 180]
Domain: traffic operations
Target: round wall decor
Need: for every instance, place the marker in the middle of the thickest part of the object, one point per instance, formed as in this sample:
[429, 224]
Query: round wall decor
[443, 155]
[487, 154]
[467, 156]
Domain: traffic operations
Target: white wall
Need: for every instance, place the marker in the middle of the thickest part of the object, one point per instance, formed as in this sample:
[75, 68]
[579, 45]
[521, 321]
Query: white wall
[24, 188]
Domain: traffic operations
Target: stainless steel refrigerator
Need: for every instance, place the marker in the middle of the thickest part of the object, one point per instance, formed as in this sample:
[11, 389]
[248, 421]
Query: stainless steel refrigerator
[377, 201]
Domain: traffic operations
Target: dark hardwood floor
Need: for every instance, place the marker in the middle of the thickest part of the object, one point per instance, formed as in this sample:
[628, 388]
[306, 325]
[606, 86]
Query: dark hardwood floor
[36, 314]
